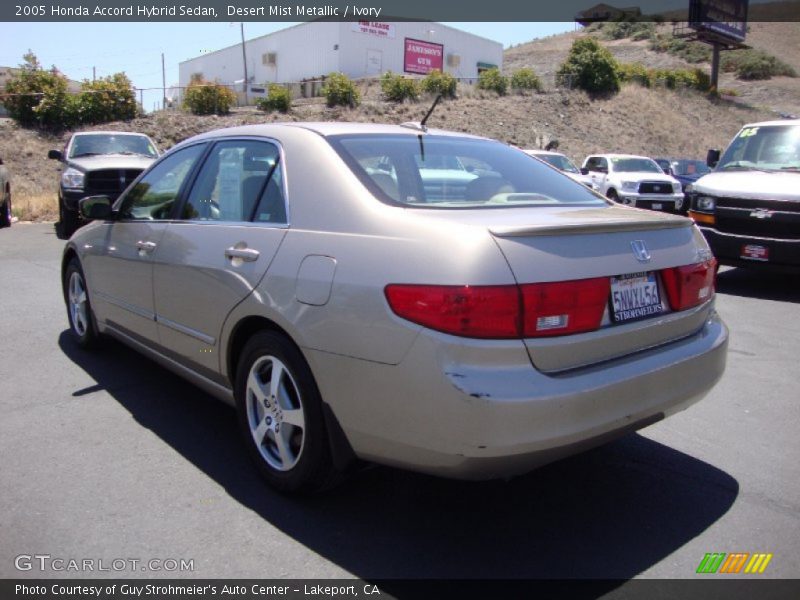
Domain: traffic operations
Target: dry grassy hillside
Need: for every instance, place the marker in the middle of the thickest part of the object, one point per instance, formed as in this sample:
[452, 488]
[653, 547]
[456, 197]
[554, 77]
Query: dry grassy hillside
[637, 120]
[780, 39]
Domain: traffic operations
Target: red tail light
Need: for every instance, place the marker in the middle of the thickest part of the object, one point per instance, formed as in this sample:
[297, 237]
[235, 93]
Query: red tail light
[691, 285]
[468, 311]
[504, 311]
[564, 307]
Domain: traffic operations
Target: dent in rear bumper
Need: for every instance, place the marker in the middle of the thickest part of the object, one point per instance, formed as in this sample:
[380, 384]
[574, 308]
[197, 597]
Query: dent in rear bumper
[445, 411]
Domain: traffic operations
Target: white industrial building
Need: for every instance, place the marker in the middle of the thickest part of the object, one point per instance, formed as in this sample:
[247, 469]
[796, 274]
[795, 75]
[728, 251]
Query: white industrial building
[357, 49]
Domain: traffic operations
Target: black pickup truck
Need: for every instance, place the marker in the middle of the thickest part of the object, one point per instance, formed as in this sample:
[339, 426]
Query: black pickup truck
[98, 163]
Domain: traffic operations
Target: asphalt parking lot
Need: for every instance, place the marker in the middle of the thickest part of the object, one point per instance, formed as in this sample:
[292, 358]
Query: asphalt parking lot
[108, 456]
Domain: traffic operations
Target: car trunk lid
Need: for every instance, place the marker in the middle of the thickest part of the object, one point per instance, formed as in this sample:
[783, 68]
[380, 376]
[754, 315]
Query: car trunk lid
[629, 247]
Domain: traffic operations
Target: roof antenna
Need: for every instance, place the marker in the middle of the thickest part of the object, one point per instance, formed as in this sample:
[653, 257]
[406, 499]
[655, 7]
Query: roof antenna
[430, 112]
[421, 125]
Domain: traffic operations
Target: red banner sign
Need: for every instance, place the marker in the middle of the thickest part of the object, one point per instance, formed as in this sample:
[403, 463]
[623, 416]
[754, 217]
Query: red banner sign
[423, 57]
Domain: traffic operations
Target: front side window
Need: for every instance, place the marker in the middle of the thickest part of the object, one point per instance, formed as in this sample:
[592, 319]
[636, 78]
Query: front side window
[238, 181]
[770, 148]
[154, 195]
[430, 171]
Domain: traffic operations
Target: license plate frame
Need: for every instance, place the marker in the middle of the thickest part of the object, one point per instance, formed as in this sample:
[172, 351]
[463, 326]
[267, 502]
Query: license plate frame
[634, 297]
[756, 252]
[657, 206]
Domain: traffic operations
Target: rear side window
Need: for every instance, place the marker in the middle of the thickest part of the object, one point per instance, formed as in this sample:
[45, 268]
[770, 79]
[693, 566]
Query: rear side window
[430, 171]
[239, 179]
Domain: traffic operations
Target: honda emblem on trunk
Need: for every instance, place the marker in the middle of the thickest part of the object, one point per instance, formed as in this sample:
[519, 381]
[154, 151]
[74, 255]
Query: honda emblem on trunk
[640, 251]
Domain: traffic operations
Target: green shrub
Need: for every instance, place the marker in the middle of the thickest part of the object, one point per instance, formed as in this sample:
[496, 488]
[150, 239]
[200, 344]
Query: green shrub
[691, 52]
[397, 88]
[107, 99]
[339, 90]
[493, 80]
[755, 64]
[634, 73]
[437, 82]
[636, 30]
[205, 98]
[590, 67]
[669, 78]
[37, 97]
[525, 79]
[279, 98]
[702, 80]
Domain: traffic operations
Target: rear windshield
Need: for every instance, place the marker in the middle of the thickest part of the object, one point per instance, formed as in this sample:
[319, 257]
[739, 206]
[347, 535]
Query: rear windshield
[429, 171]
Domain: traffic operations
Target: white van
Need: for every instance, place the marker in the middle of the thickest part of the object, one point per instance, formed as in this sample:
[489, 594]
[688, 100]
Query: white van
[748, 208]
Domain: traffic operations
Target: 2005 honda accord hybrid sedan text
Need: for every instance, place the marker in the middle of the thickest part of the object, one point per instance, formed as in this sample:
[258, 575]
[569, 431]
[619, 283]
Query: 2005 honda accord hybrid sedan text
[412, 297]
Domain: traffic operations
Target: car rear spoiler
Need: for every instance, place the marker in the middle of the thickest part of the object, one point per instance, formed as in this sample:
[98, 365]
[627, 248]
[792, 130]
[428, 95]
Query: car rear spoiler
[588, 228]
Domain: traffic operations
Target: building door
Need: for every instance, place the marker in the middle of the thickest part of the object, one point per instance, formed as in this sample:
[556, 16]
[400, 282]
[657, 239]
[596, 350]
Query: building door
[374, 62]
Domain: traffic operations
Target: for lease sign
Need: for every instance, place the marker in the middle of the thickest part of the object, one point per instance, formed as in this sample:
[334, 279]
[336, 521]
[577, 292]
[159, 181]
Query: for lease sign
[423, 57]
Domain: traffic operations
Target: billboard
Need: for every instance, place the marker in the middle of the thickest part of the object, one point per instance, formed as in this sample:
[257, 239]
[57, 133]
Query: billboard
[725, 18]
[423, 57]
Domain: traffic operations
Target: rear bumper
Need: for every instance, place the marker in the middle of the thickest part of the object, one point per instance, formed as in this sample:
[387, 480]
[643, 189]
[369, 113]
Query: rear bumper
[479, 410]
[784, 255]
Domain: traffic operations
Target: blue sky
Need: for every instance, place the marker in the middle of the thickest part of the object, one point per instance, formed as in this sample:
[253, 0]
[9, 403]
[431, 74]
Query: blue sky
[136, 48]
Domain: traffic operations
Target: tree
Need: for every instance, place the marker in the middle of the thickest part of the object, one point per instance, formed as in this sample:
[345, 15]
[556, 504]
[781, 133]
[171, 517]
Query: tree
[591, 67]
[35, 96]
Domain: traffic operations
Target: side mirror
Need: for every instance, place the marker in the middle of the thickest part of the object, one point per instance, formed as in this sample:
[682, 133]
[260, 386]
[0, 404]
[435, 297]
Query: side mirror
[55, 155]
[584, 171]
[712, 158]
[95, 208]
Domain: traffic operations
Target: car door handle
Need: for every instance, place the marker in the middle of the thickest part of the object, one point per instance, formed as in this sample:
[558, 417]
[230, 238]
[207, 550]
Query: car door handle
[245, 254]
[146, 246]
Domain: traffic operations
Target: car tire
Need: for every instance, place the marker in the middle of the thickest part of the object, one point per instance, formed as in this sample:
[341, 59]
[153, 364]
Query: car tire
[79, 310]
[68, 221]
[280, 415]
[612, 195]
[5, 208]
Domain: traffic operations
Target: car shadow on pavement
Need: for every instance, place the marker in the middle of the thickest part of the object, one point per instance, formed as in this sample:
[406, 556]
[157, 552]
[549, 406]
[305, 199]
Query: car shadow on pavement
[758, 284]
[609, 513]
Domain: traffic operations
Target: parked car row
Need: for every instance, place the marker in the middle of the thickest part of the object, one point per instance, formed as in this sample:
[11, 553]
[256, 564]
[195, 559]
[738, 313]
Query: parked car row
[430, 300]
[632, 180]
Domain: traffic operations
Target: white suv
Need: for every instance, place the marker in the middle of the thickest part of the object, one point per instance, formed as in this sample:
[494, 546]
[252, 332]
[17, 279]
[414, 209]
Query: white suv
[634, 180]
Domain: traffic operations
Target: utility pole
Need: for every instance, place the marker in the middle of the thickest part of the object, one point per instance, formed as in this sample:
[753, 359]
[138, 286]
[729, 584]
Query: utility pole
[715, 68]
[163, 84]
[244, 64]
[94, 74]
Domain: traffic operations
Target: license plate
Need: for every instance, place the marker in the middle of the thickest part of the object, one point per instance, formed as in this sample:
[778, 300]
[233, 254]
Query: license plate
[634, 296]
[755, 252]
[657, 206]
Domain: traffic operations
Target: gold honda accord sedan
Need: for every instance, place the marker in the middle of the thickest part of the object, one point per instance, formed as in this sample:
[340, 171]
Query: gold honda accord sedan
[412, 297]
